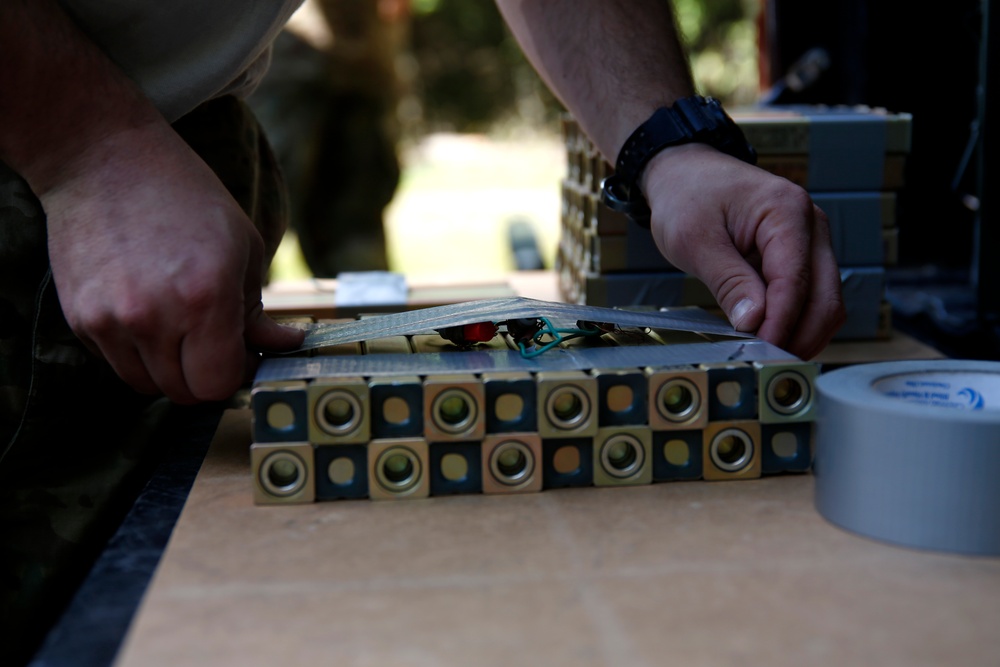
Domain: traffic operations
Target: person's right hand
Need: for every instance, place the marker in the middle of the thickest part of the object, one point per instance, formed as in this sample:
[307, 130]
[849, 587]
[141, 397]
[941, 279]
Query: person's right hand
[158, 269]
[756, 240]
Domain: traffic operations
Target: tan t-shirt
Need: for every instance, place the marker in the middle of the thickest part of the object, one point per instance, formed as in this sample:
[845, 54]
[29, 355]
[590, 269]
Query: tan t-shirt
[184, 52]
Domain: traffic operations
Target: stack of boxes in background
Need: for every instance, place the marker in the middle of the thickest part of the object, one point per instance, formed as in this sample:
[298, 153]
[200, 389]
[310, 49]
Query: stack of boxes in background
[851, 160]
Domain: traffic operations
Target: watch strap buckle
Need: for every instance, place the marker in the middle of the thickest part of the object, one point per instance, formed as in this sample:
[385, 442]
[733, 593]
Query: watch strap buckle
[619, 197]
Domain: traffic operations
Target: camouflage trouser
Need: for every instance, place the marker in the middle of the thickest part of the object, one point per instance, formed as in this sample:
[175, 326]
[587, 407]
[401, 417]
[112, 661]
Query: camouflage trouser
[331, 118]
[69, 458]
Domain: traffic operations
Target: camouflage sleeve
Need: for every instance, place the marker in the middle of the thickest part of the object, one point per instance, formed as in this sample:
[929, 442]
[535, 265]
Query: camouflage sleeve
[71, 452]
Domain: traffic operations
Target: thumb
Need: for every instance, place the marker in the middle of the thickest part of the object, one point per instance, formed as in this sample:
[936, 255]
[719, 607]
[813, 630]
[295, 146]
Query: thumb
[260, 332]
[737, 287]
[746, 316]
[263, 334]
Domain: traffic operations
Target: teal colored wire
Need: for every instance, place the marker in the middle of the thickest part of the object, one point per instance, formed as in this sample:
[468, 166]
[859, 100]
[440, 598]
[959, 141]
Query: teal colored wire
[557, 337]
[531, 354]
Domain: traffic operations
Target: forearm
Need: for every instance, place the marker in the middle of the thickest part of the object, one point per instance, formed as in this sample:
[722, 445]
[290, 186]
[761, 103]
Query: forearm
[756, 240]
[610, 62]
[59, 94]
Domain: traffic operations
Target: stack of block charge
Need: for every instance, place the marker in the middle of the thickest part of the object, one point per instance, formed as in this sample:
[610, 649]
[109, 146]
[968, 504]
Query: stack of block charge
[850, 159]
[415, 416]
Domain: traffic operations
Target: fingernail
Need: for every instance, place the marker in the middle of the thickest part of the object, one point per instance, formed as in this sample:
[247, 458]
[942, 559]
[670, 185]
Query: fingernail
[740, 311]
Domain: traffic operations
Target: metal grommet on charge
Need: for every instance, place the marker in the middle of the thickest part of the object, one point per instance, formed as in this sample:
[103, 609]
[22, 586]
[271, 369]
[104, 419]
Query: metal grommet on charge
[731, 450]
[282, 474]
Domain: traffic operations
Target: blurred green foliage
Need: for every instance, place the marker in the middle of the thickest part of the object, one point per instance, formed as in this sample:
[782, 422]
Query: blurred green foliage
[721, 40]
[472, 76]
[471, 72]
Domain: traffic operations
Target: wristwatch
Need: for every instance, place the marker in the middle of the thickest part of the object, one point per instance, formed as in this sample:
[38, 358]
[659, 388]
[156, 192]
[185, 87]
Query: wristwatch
[691, 119]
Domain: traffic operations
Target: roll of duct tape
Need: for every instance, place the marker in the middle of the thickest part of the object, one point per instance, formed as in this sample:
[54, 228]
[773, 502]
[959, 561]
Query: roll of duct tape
[908, 452]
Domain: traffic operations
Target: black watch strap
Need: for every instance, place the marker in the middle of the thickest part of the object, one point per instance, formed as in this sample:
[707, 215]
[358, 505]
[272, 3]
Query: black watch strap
[691, 119]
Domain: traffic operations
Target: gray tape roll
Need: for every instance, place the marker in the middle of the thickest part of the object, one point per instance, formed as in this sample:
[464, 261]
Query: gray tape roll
[908, 452]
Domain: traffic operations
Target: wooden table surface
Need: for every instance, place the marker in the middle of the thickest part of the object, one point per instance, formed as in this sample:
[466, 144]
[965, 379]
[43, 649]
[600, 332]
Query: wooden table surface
[686, 573]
